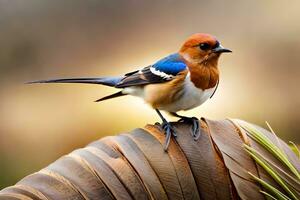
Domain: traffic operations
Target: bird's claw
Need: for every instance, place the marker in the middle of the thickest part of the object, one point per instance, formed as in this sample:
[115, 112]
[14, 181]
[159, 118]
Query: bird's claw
[169, 132]
[195, 126]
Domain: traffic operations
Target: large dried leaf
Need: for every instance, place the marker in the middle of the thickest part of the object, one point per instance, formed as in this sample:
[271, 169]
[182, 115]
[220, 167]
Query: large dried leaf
[180, 163]
[210, 173]
[160, 162]
[239, 163]
[135, 166]
[121, 168]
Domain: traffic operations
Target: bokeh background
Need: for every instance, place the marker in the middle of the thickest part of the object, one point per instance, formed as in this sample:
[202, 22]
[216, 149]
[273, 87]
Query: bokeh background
[73, 38]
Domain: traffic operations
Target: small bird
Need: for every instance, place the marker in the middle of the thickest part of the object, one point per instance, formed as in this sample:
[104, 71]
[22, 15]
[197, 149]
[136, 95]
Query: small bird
[180, 81]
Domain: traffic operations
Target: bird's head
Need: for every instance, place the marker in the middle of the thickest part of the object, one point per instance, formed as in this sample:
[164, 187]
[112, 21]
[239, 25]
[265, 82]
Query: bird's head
[202, 49]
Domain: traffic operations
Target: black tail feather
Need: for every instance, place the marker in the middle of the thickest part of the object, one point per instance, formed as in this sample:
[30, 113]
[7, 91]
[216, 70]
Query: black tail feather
[109, 81]
[118, 94]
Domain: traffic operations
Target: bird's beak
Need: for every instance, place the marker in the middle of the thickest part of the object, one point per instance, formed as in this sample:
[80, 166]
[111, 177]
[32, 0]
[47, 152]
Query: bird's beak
[221, 49]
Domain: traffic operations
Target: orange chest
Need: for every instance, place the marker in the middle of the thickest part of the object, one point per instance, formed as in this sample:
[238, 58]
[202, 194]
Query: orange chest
[204, 77]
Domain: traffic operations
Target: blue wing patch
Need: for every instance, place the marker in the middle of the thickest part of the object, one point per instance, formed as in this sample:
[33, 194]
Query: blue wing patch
[172, 64]
[162, 71]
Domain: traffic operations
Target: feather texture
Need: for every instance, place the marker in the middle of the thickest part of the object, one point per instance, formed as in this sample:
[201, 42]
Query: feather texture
[162, 71]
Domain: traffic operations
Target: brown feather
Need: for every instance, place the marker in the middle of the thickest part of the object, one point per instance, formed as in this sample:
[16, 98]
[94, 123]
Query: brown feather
[204, 76]
[165, 93]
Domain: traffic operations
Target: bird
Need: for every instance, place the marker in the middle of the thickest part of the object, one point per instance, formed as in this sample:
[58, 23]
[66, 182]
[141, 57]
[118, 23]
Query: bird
[178, 82]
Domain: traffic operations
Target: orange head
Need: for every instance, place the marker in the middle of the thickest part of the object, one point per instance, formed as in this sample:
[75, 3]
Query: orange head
[202, 48]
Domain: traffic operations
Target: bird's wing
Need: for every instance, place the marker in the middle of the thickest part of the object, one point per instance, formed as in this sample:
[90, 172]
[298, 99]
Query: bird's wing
[162, 71]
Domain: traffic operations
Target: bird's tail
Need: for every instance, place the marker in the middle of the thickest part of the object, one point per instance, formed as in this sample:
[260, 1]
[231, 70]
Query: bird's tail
[109, 81]
[117, 94]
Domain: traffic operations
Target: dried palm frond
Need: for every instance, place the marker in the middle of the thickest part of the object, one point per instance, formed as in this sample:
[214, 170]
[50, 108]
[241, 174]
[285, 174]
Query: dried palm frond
[232, 159]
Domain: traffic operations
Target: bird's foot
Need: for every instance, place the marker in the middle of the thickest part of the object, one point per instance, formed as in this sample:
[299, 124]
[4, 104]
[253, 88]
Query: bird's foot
[169, 132]
[196, 131]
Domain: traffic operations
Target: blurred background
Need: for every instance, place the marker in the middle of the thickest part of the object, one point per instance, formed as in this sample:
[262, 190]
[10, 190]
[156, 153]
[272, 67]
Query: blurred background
[73, 38]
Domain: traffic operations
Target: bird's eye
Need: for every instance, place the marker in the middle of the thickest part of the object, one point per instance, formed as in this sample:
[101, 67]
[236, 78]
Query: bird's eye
[204, 46]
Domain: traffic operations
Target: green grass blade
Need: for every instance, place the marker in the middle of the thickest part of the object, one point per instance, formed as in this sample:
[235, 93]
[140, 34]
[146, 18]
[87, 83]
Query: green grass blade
[277, 139]
[269, 170]
[295, 149]
[276, 193]
[271, 147]
[263, 140]
[267, 195]
[275, 167]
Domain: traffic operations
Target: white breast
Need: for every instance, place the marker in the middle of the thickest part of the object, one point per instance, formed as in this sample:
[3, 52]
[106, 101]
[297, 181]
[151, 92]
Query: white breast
[191, 98]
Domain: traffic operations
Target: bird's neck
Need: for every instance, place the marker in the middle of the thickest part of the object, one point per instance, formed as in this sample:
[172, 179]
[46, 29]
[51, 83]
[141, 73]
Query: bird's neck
[204, 75]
